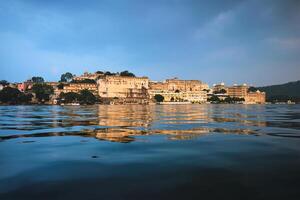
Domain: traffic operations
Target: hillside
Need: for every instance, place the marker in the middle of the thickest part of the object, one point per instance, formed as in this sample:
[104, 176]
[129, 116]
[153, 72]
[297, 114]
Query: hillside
[283, 92]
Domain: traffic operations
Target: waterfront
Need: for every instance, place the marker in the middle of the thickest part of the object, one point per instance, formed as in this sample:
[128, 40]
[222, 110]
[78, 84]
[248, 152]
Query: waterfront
[150, 152]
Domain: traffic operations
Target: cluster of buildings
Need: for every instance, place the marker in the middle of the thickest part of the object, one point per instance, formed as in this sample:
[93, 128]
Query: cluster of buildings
[239, 91]
[117, 89]
[176, 90]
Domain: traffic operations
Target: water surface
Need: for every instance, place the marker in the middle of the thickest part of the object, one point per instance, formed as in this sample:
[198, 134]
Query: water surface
[150, 152]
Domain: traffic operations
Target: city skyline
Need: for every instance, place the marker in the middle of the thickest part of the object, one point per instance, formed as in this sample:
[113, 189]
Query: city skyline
[254, 42]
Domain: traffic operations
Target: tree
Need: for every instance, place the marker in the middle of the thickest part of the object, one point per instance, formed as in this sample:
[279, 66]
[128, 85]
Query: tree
[214, 99]
[252, 89]
[70, 97]
[4, 83]
[127, 73]
[37, 79]
[14, 96]
[159, 98]
[177, 91]
[84, 81]
[108, 73]
[86, 97]
[66, 77]
[60, 86]
[99, 72]
[42, 91]
[233, 99]
[25, 98]
[9, 95]
[222, 91]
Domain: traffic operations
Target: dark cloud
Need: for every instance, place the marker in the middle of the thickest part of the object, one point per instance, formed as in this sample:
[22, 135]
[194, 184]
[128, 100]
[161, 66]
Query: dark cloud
[221, 39]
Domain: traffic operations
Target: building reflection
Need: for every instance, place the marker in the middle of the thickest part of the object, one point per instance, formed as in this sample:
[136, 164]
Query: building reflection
[124, 123]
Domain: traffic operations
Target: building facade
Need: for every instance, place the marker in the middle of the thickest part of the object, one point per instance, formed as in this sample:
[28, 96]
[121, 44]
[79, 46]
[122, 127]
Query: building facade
[123, 87]
[86, 75]
[179, 90]
[255, 97]
[239, 91]
[176, 84]
[77, 87]
[219, 87]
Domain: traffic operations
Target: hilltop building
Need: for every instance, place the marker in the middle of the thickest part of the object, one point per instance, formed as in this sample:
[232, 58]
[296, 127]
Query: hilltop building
[26, 85]
[86, 75]
[76, 87]
[124, 88]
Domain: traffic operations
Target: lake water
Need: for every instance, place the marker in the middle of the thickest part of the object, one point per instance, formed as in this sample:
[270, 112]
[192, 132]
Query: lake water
[150, 152]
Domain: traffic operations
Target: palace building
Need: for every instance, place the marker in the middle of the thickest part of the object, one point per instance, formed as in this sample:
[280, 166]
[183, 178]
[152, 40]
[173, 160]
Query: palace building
[123, 87]
[239, 91]
[257, 97]
[179, 90]
[77, 87]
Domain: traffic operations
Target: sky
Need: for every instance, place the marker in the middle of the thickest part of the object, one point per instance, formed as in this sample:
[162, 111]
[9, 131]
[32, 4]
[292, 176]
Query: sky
[232, 41]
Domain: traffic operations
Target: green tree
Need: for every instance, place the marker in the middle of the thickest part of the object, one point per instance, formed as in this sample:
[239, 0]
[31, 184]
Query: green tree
[70, 97]
[233, 99]
[86, 97]
[37, 79]
[127, 73]
[99, 72]
[42, 91]
[84, 81]
[214, 99]
[9, 95]
[252, 89]
[25, 98]
[60, 86]
[108, 73]
[159, 98]
[4, 83]
[14, 96]
[222, 91]
[66, 77]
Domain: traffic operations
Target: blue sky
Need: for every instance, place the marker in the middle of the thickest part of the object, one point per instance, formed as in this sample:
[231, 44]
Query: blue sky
[234, 41]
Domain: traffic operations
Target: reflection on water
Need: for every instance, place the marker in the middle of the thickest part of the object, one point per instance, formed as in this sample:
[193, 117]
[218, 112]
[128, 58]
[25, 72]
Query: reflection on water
[122, 123]
[191, 146]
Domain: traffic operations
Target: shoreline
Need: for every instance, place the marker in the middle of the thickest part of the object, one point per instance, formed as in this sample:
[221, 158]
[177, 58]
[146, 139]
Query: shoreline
[159, 103]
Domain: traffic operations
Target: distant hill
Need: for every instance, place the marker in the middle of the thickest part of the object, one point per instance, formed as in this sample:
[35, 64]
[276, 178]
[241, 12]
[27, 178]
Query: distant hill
[283, 92]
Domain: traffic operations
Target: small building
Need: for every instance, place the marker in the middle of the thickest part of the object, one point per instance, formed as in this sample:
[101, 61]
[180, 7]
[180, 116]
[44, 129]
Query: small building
[77, 87]
[86, 75]
[255, 97]
[239, 91]
[219, 87]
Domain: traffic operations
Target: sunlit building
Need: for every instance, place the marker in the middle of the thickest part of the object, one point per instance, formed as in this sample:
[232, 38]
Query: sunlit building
[255, 97]
[87, 75]
[77, 87]
[239, 91]
[176, 90]
[134, 89]
[219, 87]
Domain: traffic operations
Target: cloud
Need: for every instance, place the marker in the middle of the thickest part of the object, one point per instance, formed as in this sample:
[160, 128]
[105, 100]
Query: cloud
[216, 26]
[286, 43]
